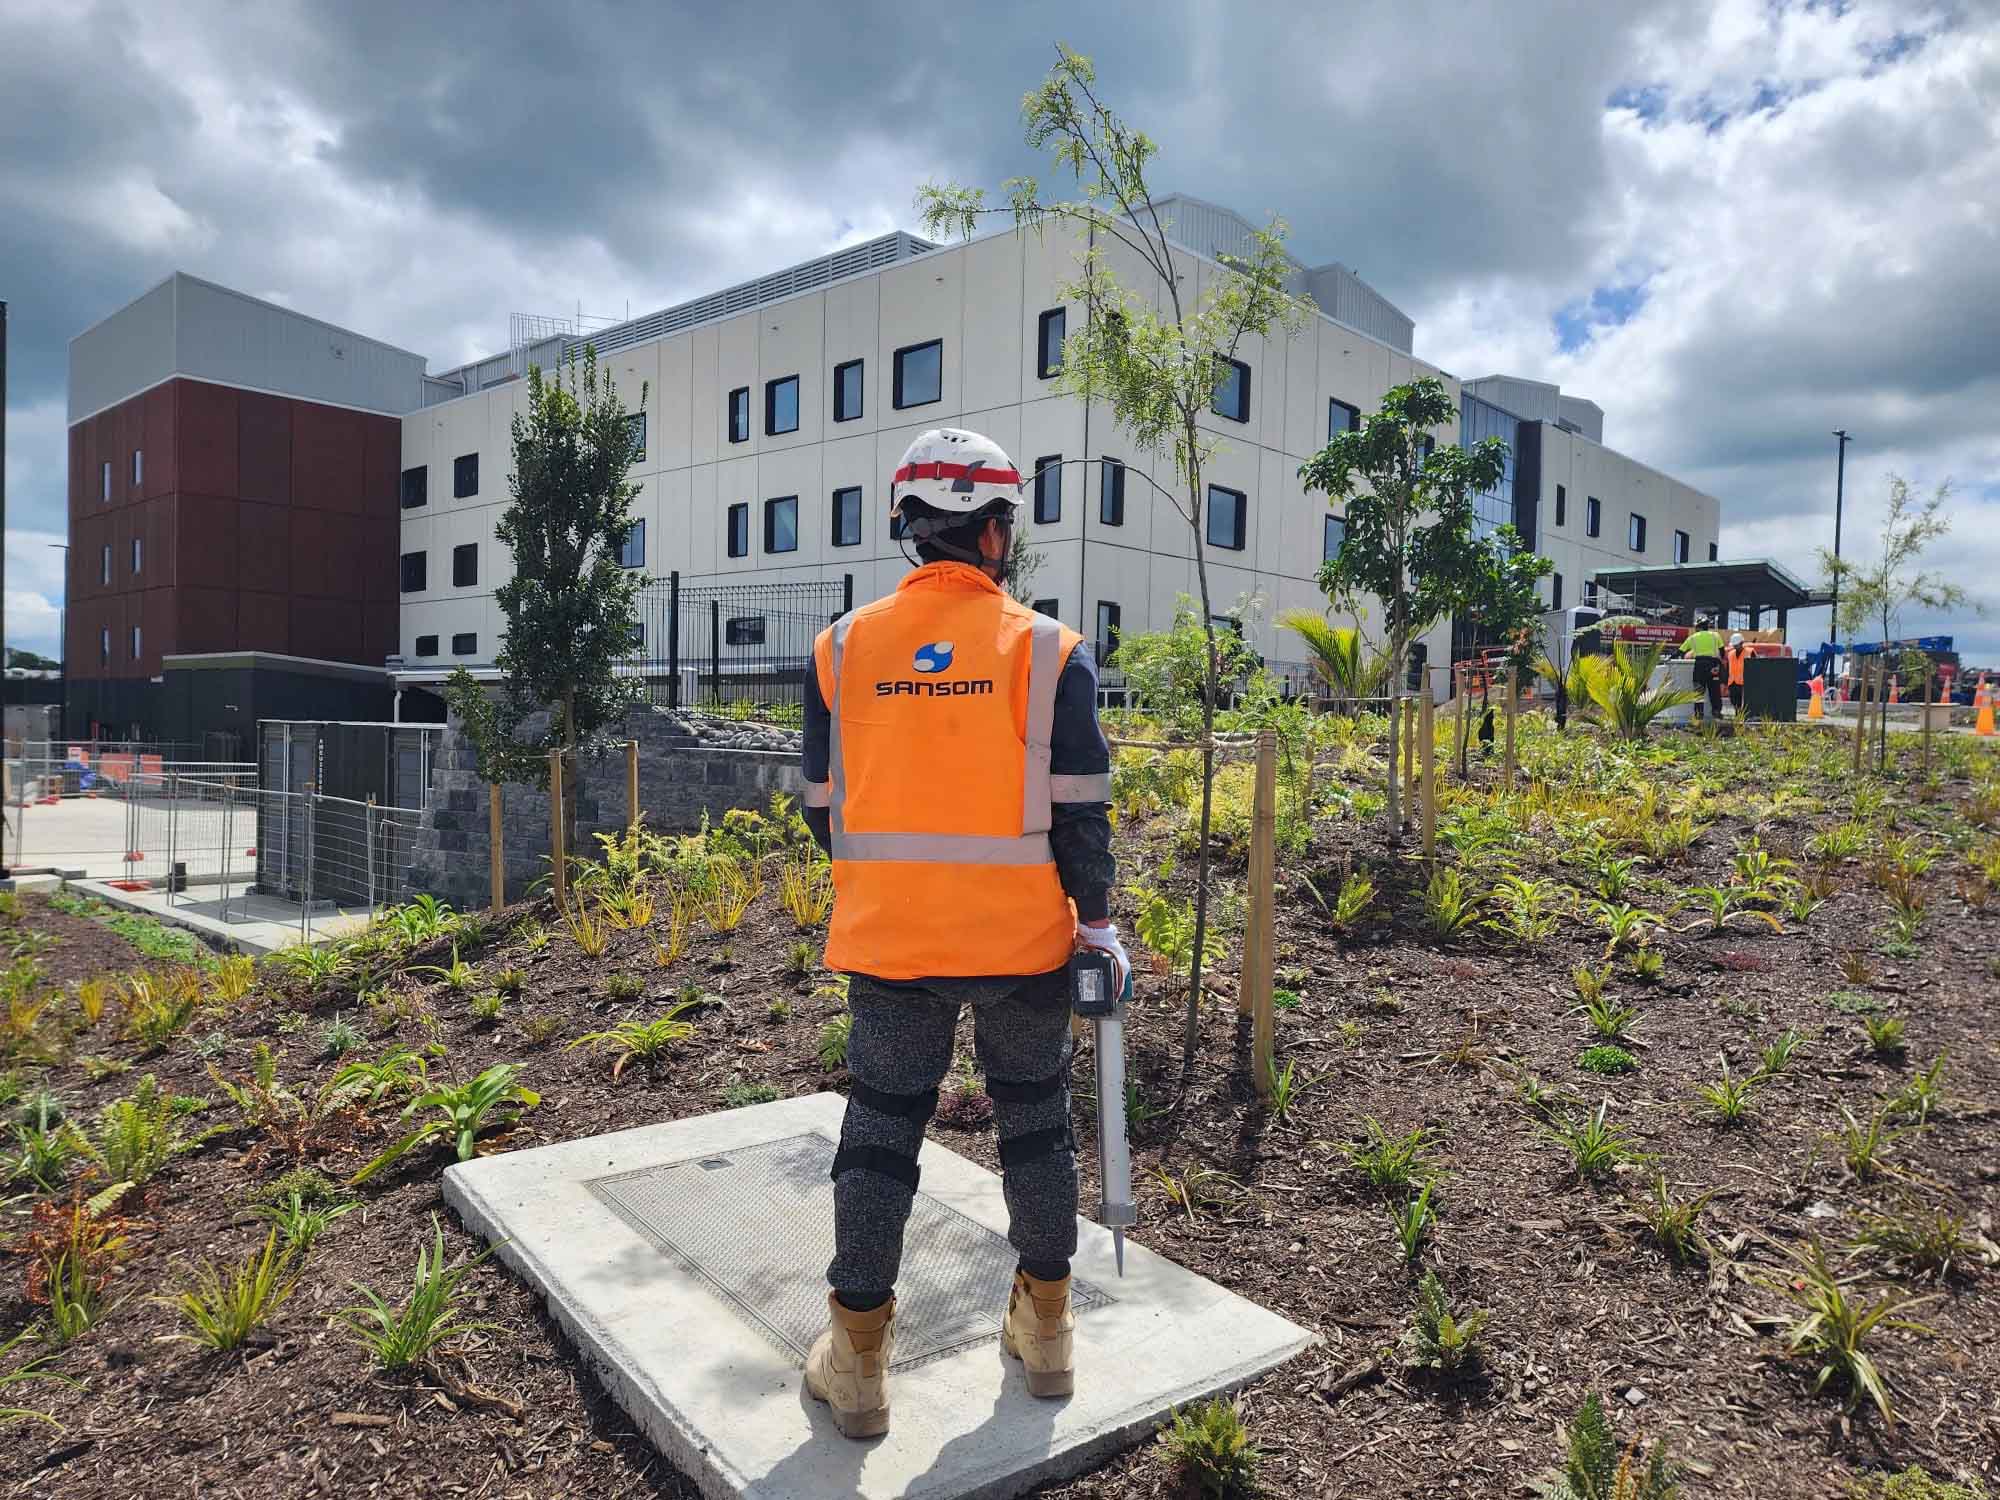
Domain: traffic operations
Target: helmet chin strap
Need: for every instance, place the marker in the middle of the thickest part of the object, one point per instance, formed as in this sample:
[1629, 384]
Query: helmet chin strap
[928, 532]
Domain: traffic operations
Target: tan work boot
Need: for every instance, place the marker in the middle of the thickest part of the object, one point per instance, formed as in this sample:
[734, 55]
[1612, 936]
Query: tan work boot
[848, 1368]
[1040, 1332]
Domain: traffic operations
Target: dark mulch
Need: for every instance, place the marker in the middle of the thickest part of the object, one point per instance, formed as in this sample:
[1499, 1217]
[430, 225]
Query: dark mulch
[84, 947]
[1580, 1299]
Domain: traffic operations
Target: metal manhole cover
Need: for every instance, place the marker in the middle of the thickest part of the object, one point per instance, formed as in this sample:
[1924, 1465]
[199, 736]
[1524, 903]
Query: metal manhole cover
[756, 1225]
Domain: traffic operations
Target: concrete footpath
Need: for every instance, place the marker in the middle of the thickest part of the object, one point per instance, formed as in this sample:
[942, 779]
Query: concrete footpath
[254, 924]
[687, 1261]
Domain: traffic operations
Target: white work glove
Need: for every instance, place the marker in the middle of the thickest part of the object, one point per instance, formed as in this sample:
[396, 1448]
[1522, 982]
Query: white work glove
[1105, 940]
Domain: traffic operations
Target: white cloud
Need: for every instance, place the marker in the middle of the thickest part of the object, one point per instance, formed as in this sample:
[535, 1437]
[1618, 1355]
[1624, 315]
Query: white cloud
[33, 602]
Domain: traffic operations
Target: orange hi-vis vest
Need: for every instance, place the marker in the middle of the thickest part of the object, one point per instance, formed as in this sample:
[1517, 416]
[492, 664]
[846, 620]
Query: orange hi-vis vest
[941, 701]
[1736, 656]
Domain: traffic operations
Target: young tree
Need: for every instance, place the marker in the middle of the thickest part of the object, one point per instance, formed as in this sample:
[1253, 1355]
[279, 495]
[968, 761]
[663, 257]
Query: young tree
[569, 606]
[1154, 353]
[1409, 539]
[1503, 597]
[1024, 561]
[1876, 593]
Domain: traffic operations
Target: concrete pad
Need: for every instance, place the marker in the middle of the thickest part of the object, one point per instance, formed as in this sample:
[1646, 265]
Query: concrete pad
[253, 923]
[687, 1261]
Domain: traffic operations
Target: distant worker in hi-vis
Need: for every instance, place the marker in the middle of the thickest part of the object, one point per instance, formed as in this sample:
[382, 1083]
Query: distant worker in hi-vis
[956, 775]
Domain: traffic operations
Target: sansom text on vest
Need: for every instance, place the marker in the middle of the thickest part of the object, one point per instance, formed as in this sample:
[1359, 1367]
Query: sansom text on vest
[975, 688]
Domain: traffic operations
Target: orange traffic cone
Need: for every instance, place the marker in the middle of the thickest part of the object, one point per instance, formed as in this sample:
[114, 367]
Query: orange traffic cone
[1983, 702]
[1895, 687]
[1817, 708]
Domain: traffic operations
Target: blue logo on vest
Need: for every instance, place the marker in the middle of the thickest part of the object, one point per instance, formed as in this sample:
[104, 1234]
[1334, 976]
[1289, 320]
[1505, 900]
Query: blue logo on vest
[934, 658]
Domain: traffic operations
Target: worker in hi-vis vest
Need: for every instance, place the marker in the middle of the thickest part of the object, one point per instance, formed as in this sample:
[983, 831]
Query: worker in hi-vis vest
[956, 775]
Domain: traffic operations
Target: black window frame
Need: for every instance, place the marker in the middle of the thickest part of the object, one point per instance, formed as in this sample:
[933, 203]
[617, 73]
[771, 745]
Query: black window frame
[633, 553]
[1111, 491]
[1050, 607]
[1683, 547]
[465, 643]
[834, 530]
[1242, 412]
[896, 394]
[1326, 533]
[465, 476]
[1108, 631]
[771, 389]
[1593, 516]
[1555, 591]
[420, 648]
[1048, 489]
[423, 573]
[1562, 504]
[1047, 368]
[1712, 550]
[736, 521]
[736, 415]
[1635, 532]
[744, 630]
[465, 552]
[422, 487]
[1242, 512]
[1334, 404]
[771, 512]
[860, 389]
[638, 453]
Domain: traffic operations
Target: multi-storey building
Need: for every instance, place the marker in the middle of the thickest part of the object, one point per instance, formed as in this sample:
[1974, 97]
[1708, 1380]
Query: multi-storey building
[774, 411]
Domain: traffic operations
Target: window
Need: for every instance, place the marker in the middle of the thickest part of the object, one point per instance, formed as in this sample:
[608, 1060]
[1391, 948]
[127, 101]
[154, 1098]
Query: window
[633, 553]
[1711, 552]
[414, 568]
[1562, 504]
[1228, 513]
[1590, 591]
[739, 414]
[416, 487]
[781, 405]
[107, 481]
[1049, 336]
[847, 517]
[1593, 516]
[138, 467]
[465, 565]
[427, 645]
[744, 630]
[1333, 534]
[464, 475]
[919, 374]
[465, 643]
[104, 565]
[1231, 397]
[1107, 632]
[1048, 489]
[739, 529]
[781, 524]
[1555, 591]
[1050, 607]
[1340, 417]
[635, 422]
[1111, 492]
[847, 391]
[1682, 546]
[104, 647]
[135, 643]
[138, 557]
[1635, 532]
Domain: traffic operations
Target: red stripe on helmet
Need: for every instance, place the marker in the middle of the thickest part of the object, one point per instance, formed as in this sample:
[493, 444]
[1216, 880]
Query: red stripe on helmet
[974, 472]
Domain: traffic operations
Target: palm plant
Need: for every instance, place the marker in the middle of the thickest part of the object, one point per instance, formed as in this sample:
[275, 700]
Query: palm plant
[1338, 656]
[1619, 684]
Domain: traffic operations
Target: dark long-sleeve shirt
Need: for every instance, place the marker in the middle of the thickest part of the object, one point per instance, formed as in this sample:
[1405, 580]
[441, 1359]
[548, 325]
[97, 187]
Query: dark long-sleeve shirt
[1079, 832]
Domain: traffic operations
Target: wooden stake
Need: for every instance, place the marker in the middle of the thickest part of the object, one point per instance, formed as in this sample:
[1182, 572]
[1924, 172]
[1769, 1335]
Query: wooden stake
[496, 859]
[1260, 940]
[1860, 676]
[1461, 689]
[1409, 758]
[1513, 693]
[631, 784]
[1426, 716]
[1927, 718]
[557, 844]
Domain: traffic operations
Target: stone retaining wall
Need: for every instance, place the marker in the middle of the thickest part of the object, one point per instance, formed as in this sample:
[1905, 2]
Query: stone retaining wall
[687, 766]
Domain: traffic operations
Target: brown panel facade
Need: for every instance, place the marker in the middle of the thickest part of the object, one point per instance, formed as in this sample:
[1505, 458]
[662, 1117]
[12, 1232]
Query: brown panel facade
[382, 468]
[208, 619]
[208, 542]
[162, 472]
[263, 623]
[327, 458]
[311, 571]
[264, 427]
[264, 547]
[205, 418]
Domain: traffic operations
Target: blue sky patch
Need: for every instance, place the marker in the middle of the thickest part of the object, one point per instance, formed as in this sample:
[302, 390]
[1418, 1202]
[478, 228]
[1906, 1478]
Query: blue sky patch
[1606, 307]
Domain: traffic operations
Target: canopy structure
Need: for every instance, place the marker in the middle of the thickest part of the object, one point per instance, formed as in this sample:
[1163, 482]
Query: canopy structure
[1748, 586]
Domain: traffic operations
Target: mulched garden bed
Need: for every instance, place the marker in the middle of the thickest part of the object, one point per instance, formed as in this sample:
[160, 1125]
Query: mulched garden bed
[1388, 1023]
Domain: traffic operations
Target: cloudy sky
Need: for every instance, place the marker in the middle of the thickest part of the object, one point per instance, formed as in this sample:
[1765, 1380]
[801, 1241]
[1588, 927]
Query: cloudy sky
[1735, 224]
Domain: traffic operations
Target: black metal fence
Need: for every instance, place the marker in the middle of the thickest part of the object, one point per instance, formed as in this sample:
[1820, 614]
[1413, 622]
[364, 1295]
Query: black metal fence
[721, 645]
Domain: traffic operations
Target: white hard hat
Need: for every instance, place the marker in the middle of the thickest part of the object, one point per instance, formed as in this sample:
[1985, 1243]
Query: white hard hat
[1736, 639]
[950, 469]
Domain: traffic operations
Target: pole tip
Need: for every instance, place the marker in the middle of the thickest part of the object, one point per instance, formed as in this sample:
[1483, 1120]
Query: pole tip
[1118, 1250]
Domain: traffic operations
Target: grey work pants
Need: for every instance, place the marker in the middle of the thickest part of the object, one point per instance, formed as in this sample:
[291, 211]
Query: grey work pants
[901, 1047]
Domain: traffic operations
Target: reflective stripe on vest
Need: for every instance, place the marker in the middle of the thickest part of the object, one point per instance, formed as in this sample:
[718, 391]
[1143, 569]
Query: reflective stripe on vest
[1037, 785]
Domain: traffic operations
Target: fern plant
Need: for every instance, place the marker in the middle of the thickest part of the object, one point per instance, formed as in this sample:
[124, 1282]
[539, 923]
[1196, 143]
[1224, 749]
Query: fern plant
[1439, 1338]
[1210, 1446]
[1593, 1468]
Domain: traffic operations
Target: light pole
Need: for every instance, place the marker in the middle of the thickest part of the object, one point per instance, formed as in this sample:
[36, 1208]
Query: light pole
[1839, 494]
[62, 624]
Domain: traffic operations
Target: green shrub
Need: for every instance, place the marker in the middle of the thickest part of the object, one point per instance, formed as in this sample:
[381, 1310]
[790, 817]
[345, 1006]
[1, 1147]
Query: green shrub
[1210, 1446]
